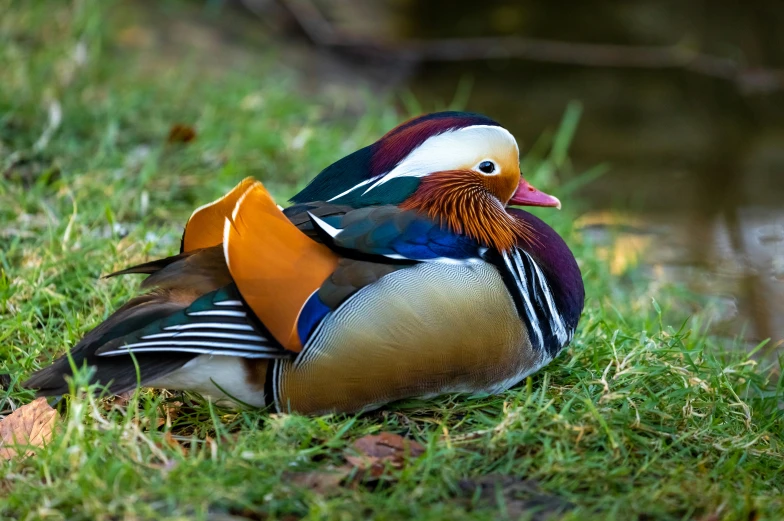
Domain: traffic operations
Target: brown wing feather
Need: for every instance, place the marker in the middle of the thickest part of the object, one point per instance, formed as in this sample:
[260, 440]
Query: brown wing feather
[148, 267]
[349, 277]
[202, 271]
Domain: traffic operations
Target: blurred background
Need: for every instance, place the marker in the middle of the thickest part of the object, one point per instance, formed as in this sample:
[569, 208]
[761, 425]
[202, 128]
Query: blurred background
[673, 112]
[681, 132]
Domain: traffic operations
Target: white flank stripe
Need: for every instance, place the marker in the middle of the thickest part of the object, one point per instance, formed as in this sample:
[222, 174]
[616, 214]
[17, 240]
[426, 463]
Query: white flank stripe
[209, 325]
[218, 313]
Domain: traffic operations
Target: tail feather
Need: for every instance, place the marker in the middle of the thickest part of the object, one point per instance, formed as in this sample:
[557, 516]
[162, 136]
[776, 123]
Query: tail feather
[201, 271]
[118, 373]
[149, 268]
[202, 268]
[178, 281]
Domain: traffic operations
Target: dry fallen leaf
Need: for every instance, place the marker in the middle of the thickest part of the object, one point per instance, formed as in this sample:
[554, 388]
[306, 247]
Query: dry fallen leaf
[170, 441]
[29, 425]
[122, 400]
[180, 133]
[378, 451]
[322, 482]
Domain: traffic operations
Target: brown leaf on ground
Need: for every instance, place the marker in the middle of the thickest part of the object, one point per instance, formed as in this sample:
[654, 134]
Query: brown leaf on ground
[376, 452]
[173, 410]
[123, 399]
[29, 425]
[170, 441]
[180, 133]
[519, 496]
[324, 482]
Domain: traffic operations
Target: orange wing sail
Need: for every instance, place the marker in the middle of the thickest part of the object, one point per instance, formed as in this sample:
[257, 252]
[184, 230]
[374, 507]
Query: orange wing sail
[275, 266]
[205, 227]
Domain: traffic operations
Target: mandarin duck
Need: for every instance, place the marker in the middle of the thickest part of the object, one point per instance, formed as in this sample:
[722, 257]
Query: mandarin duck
[398, 272]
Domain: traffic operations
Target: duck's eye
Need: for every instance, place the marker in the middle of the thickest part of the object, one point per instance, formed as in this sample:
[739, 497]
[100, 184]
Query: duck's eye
[488, 167]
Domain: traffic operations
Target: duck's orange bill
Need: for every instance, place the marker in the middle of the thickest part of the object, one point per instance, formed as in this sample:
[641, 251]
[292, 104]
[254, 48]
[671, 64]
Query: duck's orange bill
[275, 266]
[527, 195]
[205, 227]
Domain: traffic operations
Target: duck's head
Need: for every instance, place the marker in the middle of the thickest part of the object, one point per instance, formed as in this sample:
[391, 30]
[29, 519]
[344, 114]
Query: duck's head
[457, 167]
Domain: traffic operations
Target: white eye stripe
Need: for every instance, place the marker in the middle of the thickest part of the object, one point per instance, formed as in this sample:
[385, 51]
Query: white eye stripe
[449, 150]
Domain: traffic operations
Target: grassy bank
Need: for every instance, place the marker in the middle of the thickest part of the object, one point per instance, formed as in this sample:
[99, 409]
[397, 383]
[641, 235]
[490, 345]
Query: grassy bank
[641, 418]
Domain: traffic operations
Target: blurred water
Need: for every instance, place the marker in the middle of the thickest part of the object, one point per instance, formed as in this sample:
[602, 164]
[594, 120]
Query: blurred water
[688, 155]
[698, 162]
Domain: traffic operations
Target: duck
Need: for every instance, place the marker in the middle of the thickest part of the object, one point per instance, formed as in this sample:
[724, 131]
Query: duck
[403, 270]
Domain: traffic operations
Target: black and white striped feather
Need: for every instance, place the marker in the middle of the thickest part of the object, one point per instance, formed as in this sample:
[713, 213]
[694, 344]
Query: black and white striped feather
[218, 323]
[535, 302]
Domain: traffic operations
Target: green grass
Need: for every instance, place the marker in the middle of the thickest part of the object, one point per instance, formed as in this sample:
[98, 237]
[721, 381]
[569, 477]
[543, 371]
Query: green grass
[643, 417]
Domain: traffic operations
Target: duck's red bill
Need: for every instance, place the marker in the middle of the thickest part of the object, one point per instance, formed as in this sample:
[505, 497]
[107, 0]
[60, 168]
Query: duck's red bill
[527, 195]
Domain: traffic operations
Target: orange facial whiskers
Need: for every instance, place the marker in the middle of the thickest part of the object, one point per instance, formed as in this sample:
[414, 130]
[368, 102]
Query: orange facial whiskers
[466, 202]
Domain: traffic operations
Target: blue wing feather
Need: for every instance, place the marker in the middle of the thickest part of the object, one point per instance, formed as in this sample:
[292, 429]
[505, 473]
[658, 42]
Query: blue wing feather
[390, 231]
[312, 313]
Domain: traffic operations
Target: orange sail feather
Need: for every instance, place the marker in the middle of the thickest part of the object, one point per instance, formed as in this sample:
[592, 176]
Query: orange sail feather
[275, 266]
[205, 226]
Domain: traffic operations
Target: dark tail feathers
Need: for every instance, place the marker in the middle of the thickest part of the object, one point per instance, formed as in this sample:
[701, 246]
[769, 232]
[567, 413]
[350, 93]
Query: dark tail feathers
[119, 373]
